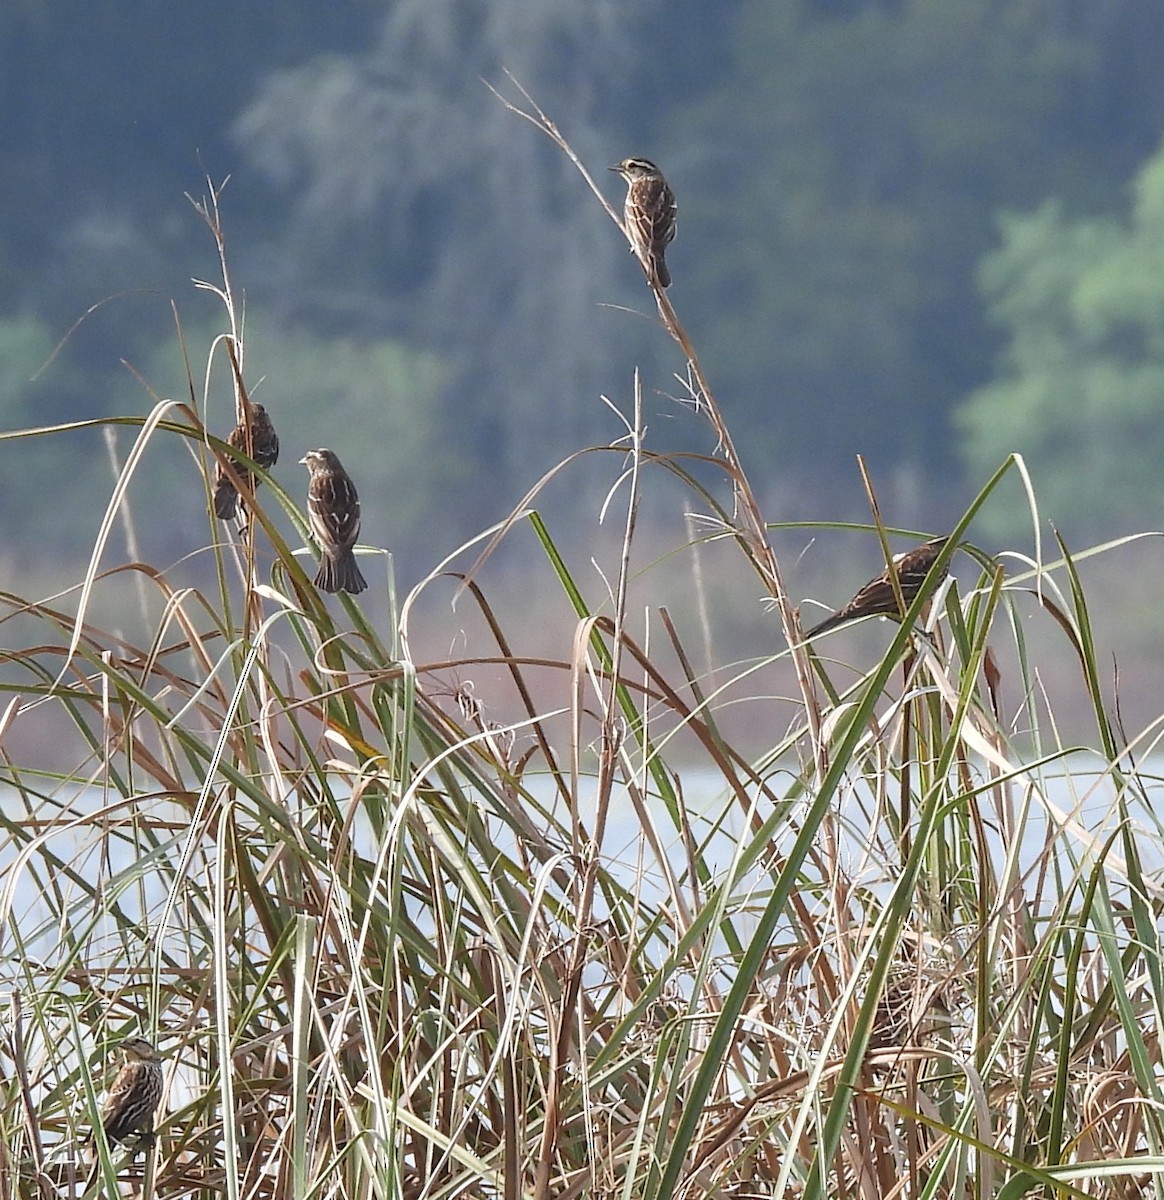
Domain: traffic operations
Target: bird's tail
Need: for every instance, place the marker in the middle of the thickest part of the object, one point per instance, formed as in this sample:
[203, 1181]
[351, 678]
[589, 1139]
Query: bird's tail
[225, 500]
[340, 575]
[659, 267]
[831, 623]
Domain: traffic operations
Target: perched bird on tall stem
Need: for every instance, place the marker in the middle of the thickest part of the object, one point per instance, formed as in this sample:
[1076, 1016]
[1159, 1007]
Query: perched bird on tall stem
[134, 1095]
[650, 214]
[334, 510]
[261, 443]
[877, 597]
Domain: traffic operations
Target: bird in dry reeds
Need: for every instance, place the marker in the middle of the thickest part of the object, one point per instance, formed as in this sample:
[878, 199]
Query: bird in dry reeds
[134, 1095]
[263, 447]
[334, 510]
[650, 215]
[877, 597]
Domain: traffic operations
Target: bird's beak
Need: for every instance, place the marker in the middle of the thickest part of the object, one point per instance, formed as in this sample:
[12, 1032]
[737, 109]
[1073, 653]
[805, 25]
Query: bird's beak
[303, 460]
[618, 168]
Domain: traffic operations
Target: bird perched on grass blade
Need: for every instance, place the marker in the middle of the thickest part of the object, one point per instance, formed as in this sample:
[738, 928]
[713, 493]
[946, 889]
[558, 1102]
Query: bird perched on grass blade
[877, 597]
[650, 214]
[334, 510]
[134, 1095]
[263, 447]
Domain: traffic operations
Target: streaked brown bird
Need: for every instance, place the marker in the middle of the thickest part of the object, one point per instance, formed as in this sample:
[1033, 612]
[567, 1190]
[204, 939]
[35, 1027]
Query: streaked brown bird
[134, 1095]
[334, 510]
[877, 597]
[263, 448]
[650, 214]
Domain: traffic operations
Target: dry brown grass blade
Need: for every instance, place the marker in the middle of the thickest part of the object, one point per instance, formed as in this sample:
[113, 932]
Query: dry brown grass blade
[752, 533]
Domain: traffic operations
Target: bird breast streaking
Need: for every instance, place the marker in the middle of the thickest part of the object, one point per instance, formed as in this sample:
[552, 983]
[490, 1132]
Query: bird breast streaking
[333, 507]
[134, 1095]
[650, 215]
[262, 445]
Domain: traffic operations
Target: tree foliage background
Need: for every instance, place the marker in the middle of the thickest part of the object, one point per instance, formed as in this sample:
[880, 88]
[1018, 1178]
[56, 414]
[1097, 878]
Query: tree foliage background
[1082, 376]
[908, 229]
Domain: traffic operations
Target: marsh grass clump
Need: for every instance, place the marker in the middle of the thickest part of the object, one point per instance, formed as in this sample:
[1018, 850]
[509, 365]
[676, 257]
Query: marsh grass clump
[395, 936]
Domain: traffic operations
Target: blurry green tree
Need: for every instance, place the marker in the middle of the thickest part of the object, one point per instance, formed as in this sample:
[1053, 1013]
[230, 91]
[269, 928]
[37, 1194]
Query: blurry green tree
[373, 401]
[1080, 385]
[417, 202]
[44, 476]
[840, 167]
[853, 163]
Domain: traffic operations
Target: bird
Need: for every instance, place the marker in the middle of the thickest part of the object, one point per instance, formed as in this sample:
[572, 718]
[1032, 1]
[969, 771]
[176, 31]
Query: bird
[650, 214]
[134, 1095]
[263, 447]
[334, 510]
[877, 597]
